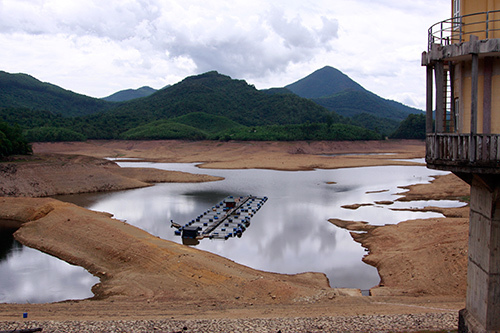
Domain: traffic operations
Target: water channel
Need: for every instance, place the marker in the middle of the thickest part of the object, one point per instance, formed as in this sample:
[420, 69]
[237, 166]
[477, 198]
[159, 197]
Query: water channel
[290, 234]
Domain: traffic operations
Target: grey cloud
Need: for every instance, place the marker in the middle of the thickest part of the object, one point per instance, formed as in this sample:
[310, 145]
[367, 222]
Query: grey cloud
[117, 21]
[269, 48]
[293, 32]
[296, 34]
[330, 29]
[161, 29]
[237, 56]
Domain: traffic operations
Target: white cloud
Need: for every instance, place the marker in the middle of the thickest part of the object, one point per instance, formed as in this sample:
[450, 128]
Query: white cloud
[97, 47]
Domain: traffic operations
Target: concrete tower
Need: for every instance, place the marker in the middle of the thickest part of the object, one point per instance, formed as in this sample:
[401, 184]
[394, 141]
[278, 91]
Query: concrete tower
[463, 92]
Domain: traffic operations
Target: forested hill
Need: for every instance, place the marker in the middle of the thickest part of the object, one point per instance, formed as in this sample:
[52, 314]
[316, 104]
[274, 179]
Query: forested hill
[22, 90]
[206, 106]
[351, 103]
[219, 95]
[129, 94]
[326, 81]
[335, 91]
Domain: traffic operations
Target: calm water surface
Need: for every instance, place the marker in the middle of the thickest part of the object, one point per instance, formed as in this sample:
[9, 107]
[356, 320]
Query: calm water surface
[290, 234]
[30, 276]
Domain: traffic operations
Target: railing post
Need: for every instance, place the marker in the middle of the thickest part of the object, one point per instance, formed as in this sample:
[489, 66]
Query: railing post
[497, 148]
[487, 97]
[441, 34]
[429, 93]
[440, 109]
[487, 23]
[455, 144]
[473, 107]
[430, 38]
[461, 30]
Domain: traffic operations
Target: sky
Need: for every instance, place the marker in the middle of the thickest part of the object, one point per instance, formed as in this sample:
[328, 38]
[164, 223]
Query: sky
[97, 48]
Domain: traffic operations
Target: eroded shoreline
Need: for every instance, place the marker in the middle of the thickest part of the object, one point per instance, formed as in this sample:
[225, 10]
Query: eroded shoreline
[282, 156]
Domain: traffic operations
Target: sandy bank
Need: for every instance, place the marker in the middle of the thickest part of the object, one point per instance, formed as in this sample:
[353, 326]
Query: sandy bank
[251, 155]
[424, 256]
[44, 175]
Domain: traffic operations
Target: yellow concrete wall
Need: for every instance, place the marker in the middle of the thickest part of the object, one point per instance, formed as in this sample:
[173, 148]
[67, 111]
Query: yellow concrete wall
[457, 84]
[477, 6]
[462, 84]
[463, 80]
[480, 96]
[463, 76]
[473, 6]
[495, 103]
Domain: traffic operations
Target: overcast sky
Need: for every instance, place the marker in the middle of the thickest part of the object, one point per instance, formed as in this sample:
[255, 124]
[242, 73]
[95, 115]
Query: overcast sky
[97, 47]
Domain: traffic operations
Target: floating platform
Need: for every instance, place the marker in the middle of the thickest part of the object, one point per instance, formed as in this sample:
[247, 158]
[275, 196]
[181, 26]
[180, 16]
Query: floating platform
[230, 218]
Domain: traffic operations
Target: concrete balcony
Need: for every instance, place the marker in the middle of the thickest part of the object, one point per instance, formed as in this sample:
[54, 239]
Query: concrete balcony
[464, 153]
[463, 108]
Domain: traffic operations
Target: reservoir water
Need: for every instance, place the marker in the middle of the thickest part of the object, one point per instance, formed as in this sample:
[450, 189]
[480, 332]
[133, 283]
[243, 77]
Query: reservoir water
[30, 276]
[290, 234]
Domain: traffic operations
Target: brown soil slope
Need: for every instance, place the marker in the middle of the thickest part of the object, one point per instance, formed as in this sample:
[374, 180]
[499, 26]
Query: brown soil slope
[51, 174]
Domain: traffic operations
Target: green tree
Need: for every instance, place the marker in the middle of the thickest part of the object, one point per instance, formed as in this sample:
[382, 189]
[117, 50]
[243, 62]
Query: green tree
[413, 127]
[12, 141]
[53, 134]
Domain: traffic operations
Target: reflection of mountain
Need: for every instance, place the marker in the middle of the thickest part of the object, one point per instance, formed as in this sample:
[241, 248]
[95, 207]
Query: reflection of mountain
[7, 242]
[83, 199]
[209, 196]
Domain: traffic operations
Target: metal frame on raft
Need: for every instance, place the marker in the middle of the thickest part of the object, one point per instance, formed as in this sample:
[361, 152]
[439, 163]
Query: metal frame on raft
[229, 218]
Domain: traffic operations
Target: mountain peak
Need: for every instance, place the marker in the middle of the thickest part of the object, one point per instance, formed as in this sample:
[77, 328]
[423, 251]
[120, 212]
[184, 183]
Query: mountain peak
[128, 94]
[324, 82]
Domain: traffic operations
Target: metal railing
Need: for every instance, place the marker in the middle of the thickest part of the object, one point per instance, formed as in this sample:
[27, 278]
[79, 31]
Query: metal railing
[457, 29]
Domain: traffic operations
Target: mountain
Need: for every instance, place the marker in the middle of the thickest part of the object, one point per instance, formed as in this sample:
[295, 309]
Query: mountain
[335, 91]
[206, 106]
[324, 82]
[351, 103]
[128, 94]
[277, 91]
[219, 95]
[215, 106]
[24, 91]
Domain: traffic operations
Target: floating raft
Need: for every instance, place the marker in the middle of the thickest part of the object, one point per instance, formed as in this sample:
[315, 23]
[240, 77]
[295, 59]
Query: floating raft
[229, 218]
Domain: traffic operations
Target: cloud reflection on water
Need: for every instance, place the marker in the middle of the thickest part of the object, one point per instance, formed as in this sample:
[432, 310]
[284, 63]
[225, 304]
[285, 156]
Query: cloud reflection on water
[28, 275]
[290, 234]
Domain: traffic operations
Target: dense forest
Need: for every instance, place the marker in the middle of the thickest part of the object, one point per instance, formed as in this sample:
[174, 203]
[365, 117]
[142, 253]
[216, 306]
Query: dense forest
[12, 141]
[207, 106]
[412, 127]
[22, 90]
